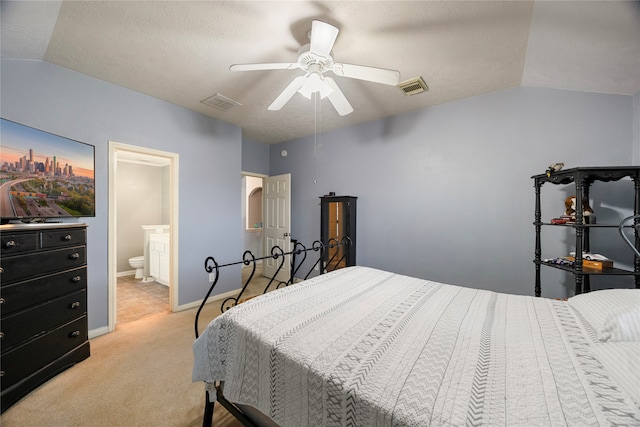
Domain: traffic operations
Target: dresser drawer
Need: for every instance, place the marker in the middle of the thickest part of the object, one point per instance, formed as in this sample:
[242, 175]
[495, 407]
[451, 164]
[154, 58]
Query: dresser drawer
[31, 292]
[32, 356]
[21, 267]
[60, 238]
[27, 324]
[16, 243]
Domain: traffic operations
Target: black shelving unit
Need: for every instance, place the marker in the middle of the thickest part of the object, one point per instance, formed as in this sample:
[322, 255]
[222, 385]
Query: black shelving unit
[582, 178]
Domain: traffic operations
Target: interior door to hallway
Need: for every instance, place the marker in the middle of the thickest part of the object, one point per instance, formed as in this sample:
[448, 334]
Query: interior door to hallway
[277, 224]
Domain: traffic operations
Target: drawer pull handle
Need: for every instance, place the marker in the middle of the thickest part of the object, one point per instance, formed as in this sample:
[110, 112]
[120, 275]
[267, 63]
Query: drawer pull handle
[1, 300]
[74, 334]
[76, 279]
[10, 244]
[1, 334]
[67, 237]
[1, 373]
[75, 305]
[1, 270]
[75, 255]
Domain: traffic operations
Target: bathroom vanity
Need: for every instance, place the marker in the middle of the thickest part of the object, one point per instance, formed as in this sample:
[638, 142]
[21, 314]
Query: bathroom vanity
[161, 246]
[159, 257]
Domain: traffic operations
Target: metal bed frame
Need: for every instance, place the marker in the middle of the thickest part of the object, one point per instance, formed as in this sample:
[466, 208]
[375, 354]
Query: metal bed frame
[211, 266]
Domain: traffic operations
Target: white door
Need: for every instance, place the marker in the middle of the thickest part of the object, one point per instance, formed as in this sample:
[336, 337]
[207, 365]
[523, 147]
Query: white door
[277, 224]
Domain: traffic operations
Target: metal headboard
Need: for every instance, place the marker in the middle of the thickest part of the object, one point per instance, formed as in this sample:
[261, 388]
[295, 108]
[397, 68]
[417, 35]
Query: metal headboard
[211, 266]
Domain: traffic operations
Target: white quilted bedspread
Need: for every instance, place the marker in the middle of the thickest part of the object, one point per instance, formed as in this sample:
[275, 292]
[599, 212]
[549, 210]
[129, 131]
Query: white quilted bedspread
[364, 347]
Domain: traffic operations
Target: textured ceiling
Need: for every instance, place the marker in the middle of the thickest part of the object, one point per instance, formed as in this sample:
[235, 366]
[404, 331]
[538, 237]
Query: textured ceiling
[180, 51]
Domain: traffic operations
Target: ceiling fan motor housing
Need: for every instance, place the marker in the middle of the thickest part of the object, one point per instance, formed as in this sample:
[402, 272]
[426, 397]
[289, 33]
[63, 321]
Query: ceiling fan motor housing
[306, 59]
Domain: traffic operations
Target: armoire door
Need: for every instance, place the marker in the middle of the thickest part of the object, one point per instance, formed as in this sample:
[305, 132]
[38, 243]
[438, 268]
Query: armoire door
[338, 225]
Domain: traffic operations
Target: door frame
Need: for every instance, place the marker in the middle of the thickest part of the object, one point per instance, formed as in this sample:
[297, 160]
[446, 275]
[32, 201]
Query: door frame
[263, 177]
[114, 148]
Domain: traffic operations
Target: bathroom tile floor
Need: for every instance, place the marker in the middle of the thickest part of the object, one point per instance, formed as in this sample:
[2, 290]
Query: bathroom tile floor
[137, 299]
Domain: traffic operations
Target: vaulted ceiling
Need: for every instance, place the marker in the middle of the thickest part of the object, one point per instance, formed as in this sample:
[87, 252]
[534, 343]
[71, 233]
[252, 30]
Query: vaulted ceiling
[180, 51]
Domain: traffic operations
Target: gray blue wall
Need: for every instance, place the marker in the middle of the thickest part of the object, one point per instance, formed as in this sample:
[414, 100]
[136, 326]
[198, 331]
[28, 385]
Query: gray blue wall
[75, 106]
[255, 157]
[446, 193]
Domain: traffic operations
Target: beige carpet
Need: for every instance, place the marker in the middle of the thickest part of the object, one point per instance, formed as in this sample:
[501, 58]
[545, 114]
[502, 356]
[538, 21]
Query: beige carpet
[138, 375]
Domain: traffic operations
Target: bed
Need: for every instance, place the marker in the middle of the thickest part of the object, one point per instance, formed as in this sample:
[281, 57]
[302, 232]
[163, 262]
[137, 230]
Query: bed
[365, 347]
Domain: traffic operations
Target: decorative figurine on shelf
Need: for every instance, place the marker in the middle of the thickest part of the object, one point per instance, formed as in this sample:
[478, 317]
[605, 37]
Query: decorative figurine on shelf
[554, 167]
[570, 207]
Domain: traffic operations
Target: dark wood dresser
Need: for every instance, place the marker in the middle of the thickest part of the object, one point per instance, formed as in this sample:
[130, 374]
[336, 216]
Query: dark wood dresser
[43, 304]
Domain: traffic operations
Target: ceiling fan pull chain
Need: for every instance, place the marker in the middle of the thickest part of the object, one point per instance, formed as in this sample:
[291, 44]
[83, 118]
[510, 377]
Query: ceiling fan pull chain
[319, 98]
[315, 138]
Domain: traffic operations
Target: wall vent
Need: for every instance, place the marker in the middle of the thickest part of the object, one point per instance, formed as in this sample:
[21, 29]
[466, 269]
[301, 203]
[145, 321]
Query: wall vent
[413, 86]
[221, 102]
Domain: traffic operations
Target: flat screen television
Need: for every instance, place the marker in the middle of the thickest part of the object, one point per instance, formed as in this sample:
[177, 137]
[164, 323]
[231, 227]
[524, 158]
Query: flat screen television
[44, 176]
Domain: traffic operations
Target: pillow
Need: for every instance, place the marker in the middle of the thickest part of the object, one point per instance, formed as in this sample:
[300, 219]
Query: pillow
[614, 314]
[620, 359]
[625, 327]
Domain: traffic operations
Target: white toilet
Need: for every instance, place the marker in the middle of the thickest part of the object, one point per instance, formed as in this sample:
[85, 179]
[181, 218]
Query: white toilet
[137, 262]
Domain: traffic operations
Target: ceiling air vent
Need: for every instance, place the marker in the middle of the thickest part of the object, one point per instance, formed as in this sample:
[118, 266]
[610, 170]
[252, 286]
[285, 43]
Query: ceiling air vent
[413, 86]
[221, 102]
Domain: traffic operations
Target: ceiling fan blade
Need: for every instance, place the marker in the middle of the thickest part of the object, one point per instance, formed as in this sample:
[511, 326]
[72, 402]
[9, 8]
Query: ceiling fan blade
[371, 74]
[287, 93]
[337, 98]
[265, 66]
[323, 36]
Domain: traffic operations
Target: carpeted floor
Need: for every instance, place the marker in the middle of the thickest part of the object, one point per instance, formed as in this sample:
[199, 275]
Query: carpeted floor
[138, 375]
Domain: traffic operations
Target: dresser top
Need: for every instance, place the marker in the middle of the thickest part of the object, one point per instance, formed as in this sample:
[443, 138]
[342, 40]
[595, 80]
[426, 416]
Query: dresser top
[39, 226]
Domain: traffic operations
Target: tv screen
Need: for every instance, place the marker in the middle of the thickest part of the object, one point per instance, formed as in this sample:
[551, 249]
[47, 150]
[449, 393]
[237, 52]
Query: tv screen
[43, 175]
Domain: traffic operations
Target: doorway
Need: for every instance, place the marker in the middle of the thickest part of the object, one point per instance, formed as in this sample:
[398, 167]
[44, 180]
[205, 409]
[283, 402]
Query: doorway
[268, 226]
[252, 216]
[124, 155]
[252, 213]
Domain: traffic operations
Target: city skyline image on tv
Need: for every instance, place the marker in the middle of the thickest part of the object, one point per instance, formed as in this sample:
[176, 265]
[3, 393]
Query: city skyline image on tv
[43, 175]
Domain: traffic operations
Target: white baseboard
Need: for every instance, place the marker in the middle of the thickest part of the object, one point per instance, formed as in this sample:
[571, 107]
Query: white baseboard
[126, 273]
[211, 299]
[97, 332]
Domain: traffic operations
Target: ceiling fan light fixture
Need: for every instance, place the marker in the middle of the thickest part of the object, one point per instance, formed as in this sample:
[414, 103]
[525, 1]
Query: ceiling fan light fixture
[325, 91]
[315, 83]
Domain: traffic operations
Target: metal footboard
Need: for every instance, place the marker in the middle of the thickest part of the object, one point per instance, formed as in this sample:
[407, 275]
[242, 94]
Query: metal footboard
[297, 258]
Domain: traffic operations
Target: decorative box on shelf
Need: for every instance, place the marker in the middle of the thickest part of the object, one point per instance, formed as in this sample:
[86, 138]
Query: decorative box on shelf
[596, 265]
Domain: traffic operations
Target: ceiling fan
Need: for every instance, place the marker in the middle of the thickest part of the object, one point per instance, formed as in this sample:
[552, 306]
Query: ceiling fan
[315, 59]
